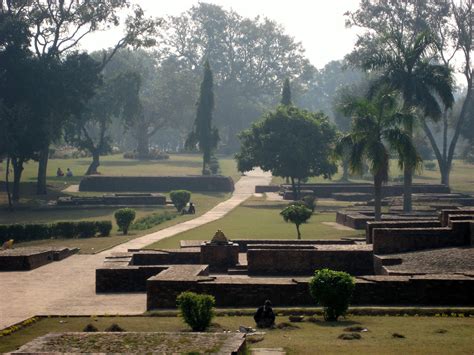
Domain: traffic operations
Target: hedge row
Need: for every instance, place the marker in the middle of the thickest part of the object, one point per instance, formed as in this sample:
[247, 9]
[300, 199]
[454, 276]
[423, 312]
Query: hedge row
[28, 232]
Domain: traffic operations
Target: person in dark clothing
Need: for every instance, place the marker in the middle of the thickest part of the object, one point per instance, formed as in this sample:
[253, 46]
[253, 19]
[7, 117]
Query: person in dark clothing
[191, 209]
[264, 317]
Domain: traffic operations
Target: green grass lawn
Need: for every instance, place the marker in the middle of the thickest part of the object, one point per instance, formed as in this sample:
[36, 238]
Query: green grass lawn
[178, 164]
[204, 202]
[423, 335]
[260, 219]
[462, 176]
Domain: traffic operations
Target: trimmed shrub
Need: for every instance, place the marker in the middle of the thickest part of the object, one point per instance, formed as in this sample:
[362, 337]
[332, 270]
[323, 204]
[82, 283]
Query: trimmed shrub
[180, 198]
[104, 228]
[333, 291]
[153, 154]
[36, 231]
[114, 328]
[86, 229]
[90, 328]
[124, 218]
[430, 165]
[64, 230]
[196, 309]
[152, 220]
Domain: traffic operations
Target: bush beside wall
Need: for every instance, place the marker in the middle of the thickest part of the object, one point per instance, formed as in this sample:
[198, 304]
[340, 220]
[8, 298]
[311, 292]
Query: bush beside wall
[29, 232]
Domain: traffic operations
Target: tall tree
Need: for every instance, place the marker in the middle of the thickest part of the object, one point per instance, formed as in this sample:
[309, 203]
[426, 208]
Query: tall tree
[401, 55]
[204, 135]
[58, 27]
[289, 142]
[374, 135]
[286, 93]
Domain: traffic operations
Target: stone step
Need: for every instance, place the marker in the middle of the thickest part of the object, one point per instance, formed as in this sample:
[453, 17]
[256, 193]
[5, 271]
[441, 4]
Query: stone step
[267, 351]
[239, 271]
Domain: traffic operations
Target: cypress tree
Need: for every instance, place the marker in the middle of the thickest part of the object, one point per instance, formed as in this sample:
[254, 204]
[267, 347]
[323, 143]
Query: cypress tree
[286, 93]
[204, 135]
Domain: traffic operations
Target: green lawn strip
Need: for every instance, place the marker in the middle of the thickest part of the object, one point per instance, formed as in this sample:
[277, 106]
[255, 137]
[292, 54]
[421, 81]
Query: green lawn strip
[204, 202]
[422, 334]
[260, 219]
[461, 179]
[178, 164]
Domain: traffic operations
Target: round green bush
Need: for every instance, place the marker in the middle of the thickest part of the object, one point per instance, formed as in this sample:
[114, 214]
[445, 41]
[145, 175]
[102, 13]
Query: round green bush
[180, 198]
[124, 218]
[196, 309]
[333, 291]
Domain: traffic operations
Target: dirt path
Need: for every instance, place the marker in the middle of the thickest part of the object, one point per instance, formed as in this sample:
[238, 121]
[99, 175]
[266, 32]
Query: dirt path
[68, 286]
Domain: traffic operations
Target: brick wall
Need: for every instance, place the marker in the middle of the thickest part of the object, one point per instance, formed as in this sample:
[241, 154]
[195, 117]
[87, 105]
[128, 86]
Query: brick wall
[356, 260]
[156, 183]
[397, 224]
[371, 290]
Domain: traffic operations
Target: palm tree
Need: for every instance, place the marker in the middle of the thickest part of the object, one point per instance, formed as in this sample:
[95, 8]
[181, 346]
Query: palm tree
[375, 134]
[406, 67]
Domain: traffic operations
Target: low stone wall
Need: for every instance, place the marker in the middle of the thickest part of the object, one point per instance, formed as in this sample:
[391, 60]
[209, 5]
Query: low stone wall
[260, 189]
[434, 290]
[447, 213]
[275, 261]
[114, 200]
[168, 257]
[327, 190]
[125, 279]
[397, 224]
[25, 259]
[156, 183]
[399, 240]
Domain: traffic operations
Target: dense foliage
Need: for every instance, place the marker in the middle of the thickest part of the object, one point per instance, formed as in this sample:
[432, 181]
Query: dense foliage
[333, 291]
[180, 198]
[296, 214]
[124, 218]
[196, 309]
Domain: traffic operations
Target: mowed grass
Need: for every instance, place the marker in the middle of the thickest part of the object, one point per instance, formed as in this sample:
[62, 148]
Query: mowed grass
[461, 179]
[178, 164]
[423, 335]
[260, 219]
[204, 202]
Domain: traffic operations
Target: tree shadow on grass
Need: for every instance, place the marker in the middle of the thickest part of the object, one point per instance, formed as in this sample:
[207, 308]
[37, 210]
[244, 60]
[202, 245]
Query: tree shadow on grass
[344, 323]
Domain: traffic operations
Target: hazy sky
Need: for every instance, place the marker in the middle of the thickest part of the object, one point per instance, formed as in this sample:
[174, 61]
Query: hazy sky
[318, 24]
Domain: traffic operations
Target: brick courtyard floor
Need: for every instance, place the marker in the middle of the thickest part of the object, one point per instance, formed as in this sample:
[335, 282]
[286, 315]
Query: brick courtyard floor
[68, 286]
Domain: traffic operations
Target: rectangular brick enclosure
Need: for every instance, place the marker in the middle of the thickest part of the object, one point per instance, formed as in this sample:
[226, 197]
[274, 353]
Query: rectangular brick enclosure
[156, 183]
[24, 259]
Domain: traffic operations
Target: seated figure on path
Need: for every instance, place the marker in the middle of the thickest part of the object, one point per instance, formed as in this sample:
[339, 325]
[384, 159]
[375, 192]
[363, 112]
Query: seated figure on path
[264, 317]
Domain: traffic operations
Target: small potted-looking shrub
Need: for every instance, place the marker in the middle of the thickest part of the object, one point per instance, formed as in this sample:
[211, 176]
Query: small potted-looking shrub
[124, 218]
[196, 309]
[333, 291]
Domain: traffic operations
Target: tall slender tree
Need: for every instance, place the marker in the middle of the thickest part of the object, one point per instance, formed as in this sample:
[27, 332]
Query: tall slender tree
[204, 135]
[286, 93]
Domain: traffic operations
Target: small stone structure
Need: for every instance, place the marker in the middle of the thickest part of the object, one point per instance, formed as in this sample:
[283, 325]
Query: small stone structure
[220, 253]
[118, 199]
[136, 342]
[29, 258]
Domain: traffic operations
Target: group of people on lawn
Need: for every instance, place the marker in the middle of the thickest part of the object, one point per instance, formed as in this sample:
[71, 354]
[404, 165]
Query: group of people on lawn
[60, 173]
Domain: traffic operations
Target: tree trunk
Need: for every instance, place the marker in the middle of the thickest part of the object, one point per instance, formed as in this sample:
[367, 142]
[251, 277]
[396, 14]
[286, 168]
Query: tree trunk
[407, 188]
[377, 197]
[42, 171]
[7, 184]
[345, 170]
[143, 147]
[295, 190]
[445, 171]
[17, 170]
[298, 231]
[299, 188]
[92, 170]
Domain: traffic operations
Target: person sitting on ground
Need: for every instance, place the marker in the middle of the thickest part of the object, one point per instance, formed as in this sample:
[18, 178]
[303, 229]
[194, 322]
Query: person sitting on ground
[8, 244]
[191, 209]
[59, 173]
[264, 317]
[69, 173]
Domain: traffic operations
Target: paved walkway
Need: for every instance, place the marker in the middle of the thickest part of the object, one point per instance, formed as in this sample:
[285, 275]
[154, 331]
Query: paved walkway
[68, 286]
